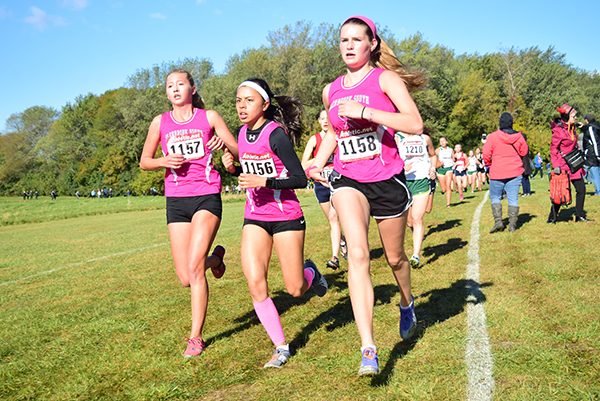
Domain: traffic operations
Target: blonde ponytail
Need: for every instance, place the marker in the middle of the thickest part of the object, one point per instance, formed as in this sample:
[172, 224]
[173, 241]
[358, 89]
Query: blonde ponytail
[384, 57]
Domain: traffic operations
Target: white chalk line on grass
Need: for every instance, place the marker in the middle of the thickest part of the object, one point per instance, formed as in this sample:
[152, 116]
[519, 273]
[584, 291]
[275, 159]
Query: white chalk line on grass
[478, 353]
[80, 263]
[92, 260]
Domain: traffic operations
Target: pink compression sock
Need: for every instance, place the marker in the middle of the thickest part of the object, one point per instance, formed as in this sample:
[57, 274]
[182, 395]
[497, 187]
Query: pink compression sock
[309, 275]
[269, 317]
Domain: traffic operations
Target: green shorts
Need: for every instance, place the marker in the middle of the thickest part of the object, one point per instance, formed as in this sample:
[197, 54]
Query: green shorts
[443, 170]
[419, 187]
[471, 172]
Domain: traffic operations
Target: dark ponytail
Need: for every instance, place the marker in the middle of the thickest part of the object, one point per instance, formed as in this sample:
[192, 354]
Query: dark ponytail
[287, 113]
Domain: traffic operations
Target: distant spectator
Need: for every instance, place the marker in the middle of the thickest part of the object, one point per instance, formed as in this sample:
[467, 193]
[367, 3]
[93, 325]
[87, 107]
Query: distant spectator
[537, 164]
[24, 195]
[548, 169]
[503, 152]
[564, 140]
[527, 169]
[110, 192]
[36, 195]
[128, 192]
[93, 193]
[591, 149]
[53, 195]
[77, 195]
[99, 193]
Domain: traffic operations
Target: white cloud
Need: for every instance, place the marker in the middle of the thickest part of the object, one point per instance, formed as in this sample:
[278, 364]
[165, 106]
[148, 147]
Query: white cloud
[76, 4]
[4, 13]
[218, 12]
[200, 1]
[158, 16]
[40, 19]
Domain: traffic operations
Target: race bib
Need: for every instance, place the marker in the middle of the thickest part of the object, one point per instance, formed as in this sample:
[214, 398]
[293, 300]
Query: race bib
[190, 145]
[326, 172]
[414, 150]
[359, 144]
[262, 165]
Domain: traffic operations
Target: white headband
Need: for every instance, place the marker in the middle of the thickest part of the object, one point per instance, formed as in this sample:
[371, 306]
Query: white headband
[257, 88]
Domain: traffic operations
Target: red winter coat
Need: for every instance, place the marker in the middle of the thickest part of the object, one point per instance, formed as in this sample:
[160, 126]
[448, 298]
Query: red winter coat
[563, 141]
[502, 152]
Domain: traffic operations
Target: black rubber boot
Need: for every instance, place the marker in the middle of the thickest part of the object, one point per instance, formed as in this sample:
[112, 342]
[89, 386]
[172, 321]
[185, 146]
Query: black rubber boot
[497, 212]
[513, 215]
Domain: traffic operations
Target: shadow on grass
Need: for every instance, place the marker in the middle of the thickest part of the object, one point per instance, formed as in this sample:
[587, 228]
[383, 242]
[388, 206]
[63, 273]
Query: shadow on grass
[441, 305]
[284, 302]
[566, 213]
[524, 218]
[339, 315]
[436, 251]
[447, 225]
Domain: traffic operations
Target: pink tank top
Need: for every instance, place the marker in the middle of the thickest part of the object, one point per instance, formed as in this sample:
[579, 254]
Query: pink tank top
[266, 204]
[366, 151]
[197, 176]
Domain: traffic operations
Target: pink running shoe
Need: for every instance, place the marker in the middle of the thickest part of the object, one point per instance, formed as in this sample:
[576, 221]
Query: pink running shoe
[218, 271]
[194, 348]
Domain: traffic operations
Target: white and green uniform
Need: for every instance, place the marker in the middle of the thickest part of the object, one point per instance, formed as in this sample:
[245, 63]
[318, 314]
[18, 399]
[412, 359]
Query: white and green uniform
[445, 156]
[413, 149]
[472, 167]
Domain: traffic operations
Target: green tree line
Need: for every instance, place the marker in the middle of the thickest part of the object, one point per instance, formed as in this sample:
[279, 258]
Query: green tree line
[96, 141]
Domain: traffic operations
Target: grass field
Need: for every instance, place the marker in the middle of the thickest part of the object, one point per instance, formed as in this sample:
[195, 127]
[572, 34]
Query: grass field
[92, 309]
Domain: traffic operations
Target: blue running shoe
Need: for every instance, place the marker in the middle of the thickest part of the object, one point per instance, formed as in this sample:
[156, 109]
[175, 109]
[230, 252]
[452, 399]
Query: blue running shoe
[319, 284]
[408, 320]
[279, 358]
[369, 365]
[414, 262]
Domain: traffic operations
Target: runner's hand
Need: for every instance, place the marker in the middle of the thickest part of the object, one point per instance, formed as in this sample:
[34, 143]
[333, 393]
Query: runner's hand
[315, 174]
[173, 160]
[248, 181]
[352, 109]
[215, 143]
[227, 160]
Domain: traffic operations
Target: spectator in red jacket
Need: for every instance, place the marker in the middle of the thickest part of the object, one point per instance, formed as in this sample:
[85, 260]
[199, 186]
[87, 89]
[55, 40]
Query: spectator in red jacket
[502, 153]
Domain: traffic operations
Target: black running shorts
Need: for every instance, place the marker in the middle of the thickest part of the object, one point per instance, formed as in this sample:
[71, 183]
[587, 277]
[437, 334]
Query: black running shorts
[182, 209]
[388, 199]
[275, 227]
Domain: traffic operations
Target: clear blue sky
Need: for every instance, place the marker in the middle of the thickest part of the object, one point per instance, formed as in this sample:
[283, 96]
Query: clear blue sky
[54, 50]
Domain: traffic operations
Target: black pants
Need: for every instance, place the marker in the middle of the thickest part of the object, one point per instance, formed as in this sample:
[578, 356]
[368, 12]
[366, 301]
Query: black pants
[536, 170]
[579, 201]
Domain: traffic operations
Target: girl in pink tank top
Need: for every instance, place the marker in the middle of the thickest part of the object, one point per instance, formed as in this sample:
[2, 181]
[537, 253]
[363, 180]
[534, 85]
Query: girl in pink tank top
[269, 172]
[366, 106]
[188, 134]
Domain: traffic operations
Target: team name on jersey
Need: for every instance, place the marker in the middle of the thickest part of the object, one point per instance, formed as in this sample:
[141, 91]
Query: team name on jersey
[184, 132]
[254, 156]
[358, 131]
[364, 99]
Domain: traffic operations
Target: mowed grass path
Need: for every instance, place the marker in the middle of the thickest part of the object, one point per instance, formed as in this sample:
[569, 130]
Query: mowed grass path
[109, 323]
